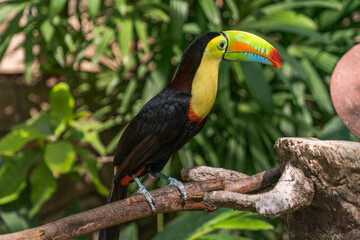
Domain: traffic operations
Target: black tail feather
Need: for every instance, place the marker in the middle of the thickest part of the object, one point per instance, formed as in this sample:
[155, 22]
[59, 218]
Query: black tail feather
[116, 193]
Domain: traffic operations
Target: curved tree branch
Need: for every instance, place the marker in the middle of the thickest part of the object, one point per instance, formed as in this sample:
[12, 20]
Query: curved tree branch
[167, 199]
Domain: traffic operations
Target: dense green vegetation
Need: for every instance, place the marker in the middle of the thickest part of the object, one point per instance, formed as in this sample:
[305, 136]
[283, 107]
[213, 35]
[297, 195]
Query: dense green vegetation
[136, 47]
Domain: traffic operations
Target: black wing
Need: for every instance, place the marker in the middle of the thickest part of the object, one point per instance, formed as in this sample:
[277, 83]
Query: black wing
[160, 121]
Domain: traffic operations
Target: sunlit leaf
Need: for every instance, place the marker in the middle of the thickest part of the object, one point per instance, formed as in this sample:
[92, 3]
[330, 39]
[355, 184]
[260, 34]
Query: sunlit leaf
[125, 38]
[101, 43]
[56, 7]
[13, 174]
[93, 7]
[281, 6]
[61, 107]
[59, 156]
[17, 138]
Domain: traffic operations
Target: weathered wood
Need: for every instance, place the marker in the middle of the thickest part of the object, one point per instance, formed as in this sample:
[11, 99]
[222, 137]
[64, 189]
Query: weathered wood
[167, 199]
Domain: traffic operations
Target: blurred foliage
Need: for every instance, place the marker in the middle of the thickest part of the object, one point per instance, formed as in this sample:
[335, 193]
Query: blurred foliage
[115, 55]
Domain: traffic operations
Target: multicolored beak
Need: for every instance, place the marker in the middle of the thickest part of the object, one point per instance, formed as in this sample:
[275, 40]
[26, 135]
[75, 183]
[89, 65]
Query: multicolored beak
[244, 46]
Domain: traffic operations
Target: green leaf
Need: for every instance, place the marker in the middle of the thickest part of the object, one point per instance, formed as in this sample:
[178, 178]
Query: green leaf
[320, 57]
[234, 10]
[101, 43]
[154, 12]
[29, 56]
[212, 13]
[221, 237]
[13, 174]
[141, 32]
[281, 6]
[184, 225]
[56, 7]
[93, 138]
[93, 7]
[90, 163]
[7, 8]
[61, 107]
[335, 130]
[258, 86]
[42, 185]
[178, 13]
[244, 223]
[285, 27]
[59, 156]
[17, 138]
[318, 89]
[125, 38]
[191, 28]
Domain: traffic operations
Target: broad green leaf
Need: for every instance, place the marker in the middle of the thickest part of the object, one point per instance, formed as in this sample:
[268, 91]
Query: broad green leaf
[17, 138]
[335, 130]
[258, 86]
[281, 6]
[93, 7]
[221, 237]
[93, 138]
[184, 225]
[234, 9]
[125, 38]
[69, 41]
[179, 10]
[317, 87]
[212, 13]
[59, 156]
[61, 107]
[291, 18]
[101, 43]
[42, 186]
[243, 223]
[141, 32]
[13, 174]
[320, 57]
[121, 6]
[285, 27]
[56, 7]
[90, 163]
[156, 13]
[329, 17]
[192, 28]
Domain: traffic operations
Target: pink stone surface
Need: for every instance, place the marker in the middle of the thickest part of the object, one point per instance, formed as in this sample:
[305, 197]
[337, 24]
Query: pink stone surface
[345, 89]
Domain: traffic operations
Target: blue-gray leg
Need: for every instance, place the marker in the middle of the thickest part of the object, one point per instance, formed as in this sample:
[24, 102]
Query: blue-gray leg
[173, 181]
[142, 190]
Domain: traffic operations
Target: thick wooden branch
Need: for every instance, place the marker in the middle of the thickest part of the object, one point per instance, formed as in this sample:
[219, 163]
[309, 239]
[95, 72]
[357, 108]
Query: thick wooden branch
[167, 199]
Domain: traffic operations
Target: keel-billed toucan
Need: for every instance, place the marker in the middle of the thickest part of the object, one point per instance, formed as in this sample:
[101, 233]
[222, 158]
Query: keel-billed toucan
[179, 112]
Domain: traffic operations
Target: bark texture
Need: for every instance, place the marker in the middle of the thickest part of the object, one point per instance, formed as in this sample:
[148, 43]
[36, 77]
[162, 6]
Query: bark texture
[318, 194]
[333, 167]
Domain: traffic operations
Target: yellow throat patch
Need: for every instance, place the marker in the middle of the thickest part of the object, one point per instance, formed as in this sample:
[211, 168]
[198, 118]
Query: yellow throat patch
[205, 83]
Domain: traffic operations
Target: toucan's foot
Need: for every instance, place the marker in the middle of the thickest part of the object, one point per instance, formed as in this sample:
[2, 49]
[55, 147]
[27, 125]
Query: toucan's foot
[143, 191]
[175, 182]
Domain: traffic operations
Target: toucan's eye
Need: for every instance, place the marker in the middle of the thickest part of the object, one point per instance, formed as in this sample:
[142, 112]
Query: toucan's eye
[221, 44]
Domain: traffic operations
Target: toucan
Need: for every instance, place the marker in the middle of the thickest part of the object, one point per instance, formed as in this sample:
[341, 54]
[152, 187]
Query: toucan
[177, 113]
